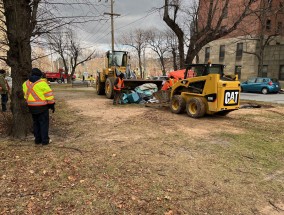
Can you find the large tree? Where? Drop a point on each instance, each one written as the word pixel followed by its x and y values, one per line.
pixel 78 55
pixel 70 50
pixel 25 21
pixel 172 22
pixel 172 43
pixel 20 20
pixel 207 20
pixel 157 41
pixel 136 39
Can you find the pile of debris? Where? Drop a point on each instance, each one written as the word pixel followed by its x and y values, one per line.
pixel 140 95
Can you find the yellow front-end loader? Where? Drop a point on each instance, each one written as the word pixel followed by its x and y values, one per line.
pixel 116 62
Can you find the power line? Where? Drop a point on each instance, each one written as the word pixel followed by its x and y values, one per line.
pixel 104 34
pixel 144 17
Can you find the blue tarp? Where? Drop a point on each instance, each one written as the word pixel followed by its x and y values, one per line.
pixel 143 92
pixel 147 89
pixel 124 99
pixel 133 97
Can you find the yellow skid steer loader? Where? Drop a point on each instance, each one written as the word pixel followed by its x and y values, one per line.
pixel 210 91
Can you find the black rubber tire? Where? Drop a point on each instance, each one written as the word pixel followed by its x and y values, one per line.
pixel 100 86
pixel 264 90
pixel 59 81
pixel 109 91
pixel 177 104
pixel 195 107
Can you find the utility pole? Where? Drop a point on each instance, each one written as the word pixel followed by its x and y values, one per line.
pixel 144 56
pixel 112 23
pixel 51 60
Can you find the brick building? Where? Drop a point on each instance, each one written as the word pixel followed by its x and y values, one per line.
pixel 261 32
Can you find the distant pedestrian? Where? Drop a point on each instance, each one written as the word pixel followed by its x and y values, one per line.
pixel 92 80
pixel 83 78
pixel 4 90
pixel 118 85
pixel 40 99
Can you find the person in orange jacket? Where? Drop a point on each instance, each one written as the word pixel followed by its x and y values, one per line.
pixel 118 85
pixel 169 83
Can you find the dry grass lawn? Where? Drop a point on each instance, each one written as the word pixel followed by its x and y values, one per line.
pixel 130 159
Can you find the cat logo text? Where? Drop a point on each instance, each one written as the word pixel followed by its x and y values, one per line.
pixel 231 97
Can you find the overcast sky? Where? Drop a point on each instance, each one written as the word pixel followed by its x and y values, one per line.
pixel 134 14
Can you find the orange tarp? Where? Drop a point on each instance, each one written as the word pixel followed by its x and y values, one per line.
pixel 179 74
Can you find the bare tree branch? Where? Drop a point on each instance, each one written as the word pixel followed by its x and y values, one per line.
pixel 136 39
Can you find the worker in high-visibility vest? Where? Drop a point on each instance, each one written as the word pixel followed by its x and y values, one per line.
pixel 40 99
pixel 169 83
pixel 92 80
pixel 118 85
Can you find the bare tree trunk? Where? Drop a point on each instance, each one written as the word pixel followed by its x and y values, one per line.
pixel 140 63
pixel 260 60
pixel 65 68
pixel 178 31
pixel 174 59
pixel 19 59
pixel 192 52
pixel 163 65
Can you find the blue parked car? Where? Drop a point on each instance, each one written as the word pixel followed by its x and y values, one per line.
pixel 261 85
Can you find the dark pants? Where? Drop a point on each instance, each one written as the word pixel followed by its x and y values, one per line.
pixel 4 100
pixel 41 125
pixel 117 97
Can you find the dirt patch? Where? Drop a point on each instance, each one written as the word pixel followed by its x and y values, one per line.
pixel 104 112
pixel 273 209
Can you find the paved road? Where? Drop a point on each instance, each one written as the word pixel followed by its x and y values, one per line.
pixel 273 98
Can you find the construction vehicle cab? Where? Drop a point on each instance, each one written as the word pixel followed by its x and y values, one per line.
pixel 116 58
pixel 210 91
pixel 115 61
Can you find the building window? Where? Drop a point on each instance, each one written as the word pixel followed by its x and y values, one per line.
pixel 239 52
pixel 207 54
pixel 281 72
pixel 263 72
pixel 238 71
pixel 268 25
pixel 222 53
pixel 279 27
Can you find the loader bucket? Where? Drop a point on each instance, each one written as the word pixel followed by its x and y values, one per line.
pixel 163 96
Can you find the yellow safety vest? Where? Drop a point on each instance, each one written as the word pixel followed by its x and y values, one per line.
pixel 38 93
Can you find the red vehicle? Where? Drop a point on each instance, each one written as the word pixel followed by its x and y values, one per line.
pixel 57 76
